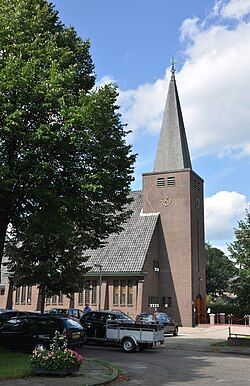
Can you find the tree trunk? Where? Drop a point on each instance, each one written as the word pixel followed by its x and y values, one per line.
pixel 3 229
pixel 9 304
pixel 43 295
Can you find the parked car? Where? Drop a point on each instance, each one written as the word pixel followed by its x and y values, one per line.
pixel 94 322
pixel 6 315
pixel 170 326
pixel 37 331
pixel 73 312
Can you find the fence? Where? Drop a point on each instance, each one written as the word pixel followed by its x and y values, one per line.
pixel 229 319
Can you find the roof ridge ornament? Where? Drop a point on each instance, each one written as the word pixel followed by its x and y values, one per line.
pixel 173 63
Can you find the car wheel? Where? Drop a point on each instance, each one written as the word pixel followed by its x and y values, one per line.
pixel 128 345
pixel 40 347
pixel 175 331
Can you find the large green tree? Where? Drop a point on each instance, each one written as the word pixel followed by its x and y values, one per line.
pixel 219 270
pixel 240 252
pixel 65 168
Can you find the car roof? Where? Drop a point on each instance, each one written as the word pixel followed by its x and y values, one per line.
pixel 152 313
pixel 43 316
pixel 104 312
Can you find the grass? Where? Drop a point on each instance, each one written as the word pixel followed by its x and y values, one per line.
pixel 221 344
pixel 14 365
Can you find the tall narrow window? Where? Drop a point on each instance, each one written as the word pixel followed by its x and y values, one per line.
pixel 130 293
pixel 94 292
pixel 169 301
pixel 80 298
pixel 115 292
pixel 23 295
pixel 54 300
pixel 60 298
pixel 18 292
pixel 123 293
pixel 29 294
pixel 48 301
pixel 87 292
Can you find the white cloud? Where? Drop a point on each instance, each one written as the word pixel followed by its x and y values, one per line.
pixel 223 210
pixel 213 85
pixel 142 108
pixel 189 28
pixel 235 9
pixel 105 80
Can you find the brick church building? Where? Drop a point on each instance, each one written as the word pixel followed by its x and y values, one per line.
pixel 157 261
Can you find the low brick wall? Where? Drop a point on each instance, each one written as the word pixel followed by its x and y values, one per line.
pixel 233 341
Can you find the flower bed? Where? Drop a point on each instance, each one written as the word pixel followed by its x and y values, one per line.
pixel 58 360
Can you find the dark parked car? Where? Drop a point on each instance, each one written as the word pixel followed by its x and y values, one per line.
pixel 170 326
pixel 94 322
pixel 73 312
pixel 6 315
pixel 35 331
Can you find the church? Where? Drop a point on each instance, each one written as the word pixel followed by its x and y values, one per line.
pixel 157 262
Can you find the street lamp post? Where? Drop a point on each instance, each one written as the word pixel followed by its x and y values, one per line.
pixel 100 284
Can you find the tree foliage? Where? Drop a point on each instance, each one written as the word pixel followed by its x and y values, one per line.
pixel 219 270
pixel 240 252
pixel 65 168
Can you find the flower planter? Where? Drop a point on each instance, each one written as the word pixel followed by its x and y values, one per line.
pixel 42 371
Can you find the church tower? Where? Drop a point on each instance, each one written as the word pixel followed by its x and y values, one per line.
pixel 175 191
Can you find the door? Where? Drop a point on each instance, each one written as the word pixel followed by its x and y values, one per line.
pixel 17 333
pixel 46 330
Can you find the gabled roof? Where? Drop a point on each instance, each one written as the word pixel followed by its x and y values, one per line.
pixel 126 251
pixel 172 152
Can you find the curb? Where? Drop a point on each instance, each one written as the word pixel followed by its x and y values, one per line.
pixel 109 366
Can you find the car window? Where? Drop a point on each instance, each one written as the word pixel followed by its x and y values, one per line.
pixel 122 317
pixel 11 326
pixel 73 313
pixel 70 323
pixel 8 315
pixel 99 317
pixel 147 318
pixel 88 317
pixel 161 318
pixel 47 326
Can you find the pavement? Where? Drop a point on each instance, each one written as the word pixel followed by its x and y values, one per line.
pixel 98 372
pixel 203 339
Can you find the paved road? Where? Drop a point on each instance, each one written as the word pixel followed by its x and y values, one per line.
pixel 166 366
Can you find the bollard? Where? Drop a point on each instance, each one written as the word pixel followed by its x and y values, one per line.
pixel 222 318
pixel 211 319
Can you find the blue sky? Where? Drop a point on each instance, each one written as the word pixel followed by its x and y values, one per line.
pixel 132 42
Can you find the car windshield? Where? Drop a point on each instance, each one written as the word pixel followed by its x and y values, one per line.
pixel 70 323
pixel 147 317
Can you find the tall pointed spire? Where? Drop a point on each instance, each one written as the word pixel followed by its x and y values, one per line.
pixel 172 152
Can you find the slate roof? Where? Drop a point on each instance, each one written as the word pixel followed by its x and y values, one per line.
pixel 126 251
pixel 172 151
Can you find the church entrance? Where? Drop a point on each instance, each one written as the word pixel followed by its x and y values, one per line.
pixel 200 310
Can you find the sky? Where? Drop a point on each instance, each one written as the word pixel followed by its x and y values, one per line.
pixel 132 43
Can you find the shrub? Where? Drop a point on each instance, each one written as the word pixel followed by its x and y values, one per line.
pixel 58 357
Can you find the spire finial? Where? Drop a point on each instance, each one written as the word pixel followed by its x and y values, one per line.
pixel 173 61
